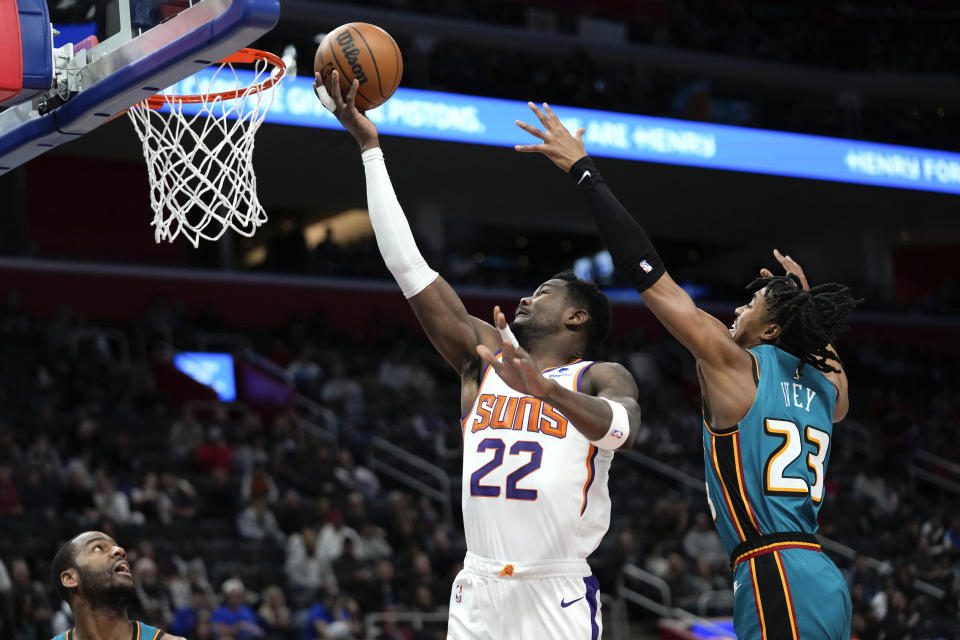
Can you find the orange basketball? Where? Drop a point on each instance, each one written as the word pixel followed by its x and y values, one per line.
pixel 365 52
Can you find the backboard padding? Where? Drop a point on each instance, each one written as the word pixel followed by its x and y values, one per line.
pixel 188 41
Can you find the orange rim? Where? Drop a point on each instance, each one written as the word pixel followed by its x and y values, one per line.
pixel 243 56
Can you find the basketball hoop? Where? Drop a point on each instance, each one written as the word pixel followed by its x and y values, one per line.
pixel 200 160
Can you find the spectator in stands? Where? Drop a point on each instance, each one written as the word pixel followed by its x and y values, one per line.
pixel 29 605
pixel 276 616
pixel 258 482
pixel 333 533
pixel 350 571
pixel 372 543
pixel 384 591
pixel 234 619
pixel 76 500
pixel 353 476
pixel 702 542
pixel 9 496
pixel 186 435
pixel 257 522
pixel 183 497
pixel 40 493
pixel 342 393
pixel 332 616
pixel 152 601
pixel 215 453
pixel 290 512
pixel 219 497
pixel 306 567
pixel 41 454
pixel 187 617
pixel 149 502
pixel 111 503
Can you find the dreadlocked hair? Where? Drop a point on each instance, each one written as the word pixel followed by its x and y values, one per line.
pixel 810 321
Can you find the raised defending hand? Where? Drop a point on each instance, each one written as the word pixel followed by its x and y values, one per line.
pixel 558 145
pixel 345 109
pixel 516 367
pixel 790 266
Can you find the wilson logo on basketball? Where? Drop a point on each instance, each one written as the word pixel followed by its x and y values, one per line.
pixel 352 54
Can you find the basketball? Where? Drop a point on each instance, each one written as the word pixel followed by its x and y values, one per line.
pixel 365 52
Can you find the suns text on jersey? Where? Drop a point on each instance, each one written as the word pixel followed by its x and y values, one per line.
pixel 503 412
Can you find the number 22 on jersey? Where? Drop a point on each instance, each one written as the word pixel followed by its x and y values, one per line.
pixel 513 491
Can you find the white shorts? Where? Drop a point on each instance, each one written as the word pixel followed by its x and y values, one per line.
pixel 554 600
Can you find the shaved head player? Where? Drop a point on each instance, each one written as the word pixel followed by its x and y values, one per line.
pixel 772 387
pixel 540 425
pixel 92 575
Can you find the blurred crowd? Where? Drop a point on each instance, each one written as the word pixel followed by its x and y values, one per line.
pixel 244 524
pixel 904 35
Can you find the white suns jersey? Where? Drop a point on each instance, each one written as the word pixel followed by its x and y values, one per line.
pixel 534 488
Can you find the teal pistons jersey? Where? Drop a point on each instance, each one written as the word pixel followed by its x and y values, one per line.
pixel 766 474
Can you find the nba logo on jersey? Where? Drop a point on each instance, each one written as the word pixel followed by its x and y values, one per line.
pixel 458 593
pixel 645 266
pixel 617 433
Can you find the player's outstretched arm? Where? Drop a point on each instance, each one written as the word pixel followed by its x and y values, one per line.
pixel 630 247
pixel 605 411
pixel 839 380
pixel 453 332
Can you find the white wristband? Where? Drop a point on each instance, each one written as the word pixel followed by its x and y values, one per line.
pixel 619 430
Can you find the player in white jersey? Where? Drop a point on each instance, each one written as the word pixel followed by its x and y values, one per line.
pixel 539 429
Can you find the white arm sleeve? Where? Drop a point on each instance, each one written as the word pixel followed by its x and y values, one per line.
pixel 390 226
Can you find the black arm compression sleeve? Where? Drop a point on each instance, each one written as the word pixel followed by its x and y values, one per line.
pixel 629 245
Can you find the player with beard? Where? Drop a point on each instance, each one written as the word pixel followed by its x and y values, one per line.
pixel 92 575
pixel 540 425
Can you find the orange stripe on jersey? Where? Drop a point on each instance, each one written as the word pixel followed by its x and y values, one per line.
pixel 138 629
pixel 591 453
pixel 723 485
pixel 743 487
pixel 786 591
pixel 777 546
pixel 756 595
pixel 157 634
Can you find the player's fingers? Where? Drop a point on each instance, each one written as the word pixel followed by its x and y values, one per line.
pixel 532 130
pixel 550 114
pixel 352 92
pixel 334 88
pixel 487 356
pixel 324 97
pixel 526 148
pixel 579 134
pixel 766 273
pixel 542 118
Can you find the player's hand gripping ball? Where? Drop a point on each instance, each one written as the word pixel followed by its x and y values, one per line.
pixel 365 52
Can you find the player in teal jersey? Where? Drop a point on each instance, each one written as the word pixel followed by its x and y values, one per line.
pixel 772 387
pixel 91 573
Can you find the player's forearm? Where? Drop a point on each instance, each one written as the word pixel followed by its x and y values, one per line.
pixel 629 245
pixel 590 415
pixel 390 226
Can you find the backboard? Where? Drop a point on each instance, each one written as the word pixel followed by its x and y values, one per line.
pixel 149 45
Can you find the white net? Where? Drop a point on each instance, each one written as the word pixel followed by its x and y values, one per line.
pixel 200 155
